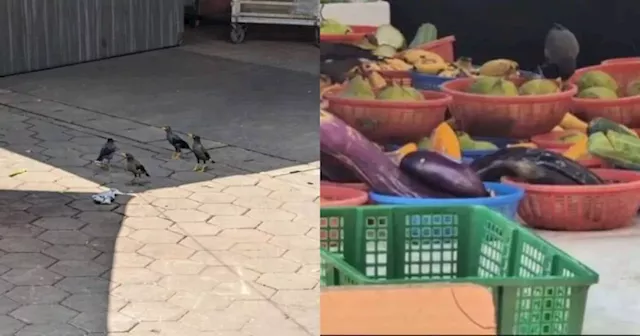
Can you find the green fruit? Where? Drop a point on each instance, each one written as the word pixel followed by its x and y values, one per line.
pixel 331 26
pixel 538 87
pixel 425 143
pixel 493 86
pixel 397 92
pixel 466 143
pixel 597 78
pixel 633 88
pixel 426 33
pixel 598 92
pixel 484 145
pixel 360 88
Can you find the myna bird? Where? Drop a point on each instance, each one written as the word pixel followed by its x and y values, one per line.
pixel 176 142
pixel 561 49
pixel 134 166
pixel 201 154
pixel 106 153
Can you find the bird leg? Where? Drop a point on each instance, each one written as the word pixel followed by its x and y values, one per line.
pixel 174 156
pixel 197 167
pixel 203 168
pixel 178 155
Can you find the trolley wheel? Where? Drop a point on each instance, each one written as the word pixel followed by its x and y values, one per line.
pixel 238 33
pixel 194 22
pixel 317 37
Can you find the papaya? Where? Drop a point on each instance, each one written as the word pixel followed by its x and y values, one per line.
pixel 445 141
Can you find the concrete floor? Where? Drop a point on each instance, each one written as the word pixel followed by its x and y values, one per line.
pixel 260 96
pixel 612 306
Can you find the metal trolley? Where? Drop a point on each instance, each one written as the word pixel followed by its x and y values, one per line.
pixel 281 12
pixel 192 12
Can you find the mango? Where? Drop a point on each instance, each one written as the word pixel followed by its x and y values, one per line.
pixel 493 86
pixel 597 92
pixel 397 92
pixel 358 87
pixel 539 87
pixel 597 78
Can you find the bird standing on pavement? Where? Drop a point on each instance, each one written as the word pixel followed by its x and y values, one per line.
pixel 106 153
pixel 201 154
pixel 561 49
pixel 176 142
pixel 134 166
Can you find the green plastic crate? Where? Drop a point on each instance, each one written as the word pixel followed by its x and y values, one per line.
pixel 538 289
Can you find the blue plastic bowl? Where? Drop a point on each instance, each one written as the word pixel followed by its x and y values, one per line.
pixel 506 200
pixel 499 142
pixel 427 82
pixel 471 155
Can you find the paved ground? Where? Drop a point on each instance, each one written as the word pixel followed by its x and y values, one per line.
pixel 258 95
pixel 230 252
pixel 612 307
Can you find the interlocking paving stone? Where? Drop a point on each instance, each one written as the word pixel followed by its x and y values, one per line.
pixel 193 254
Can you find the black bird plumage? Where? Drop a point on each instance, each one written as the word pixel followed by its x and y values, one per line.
pixel 341 51
pixel 107 151
pixel 134 166
pixel 201 153
pixel 175 141
pixel 561 49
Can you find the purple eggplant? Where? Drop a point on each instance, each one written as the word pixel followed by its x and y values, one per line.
pixel 348 146
pixel 442 173
pixel 334 171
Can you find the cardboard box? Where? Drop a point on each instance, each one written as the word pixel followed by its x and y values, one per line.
pixel 426 309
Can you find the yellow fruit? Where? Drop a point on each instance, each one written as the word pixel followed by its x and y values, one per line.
pixel 597 78
pixel 397 92
pixel 571 122
pixel 579 149
pixel 398 64
pixel 429 68
pixel 358 87
pixel 414 56
pixel 499 68
pixel 597 92
pixel 445 141
pixel 450 72
pixel 493 86
pixel 376 80
pixel 384 66
pixel 539 87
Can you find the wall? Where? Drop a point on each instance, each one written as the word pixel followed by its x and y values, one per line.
pixel 40 34
pixel 516 29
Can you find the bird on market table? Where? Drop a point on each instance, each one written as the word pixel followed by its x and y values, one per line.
pixel 176 142
pixel 201 154
pixel 106 153
pixel 561 49
pixel 135 167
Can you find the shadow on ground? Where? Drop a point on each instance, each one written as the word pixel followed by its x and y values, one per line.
pixel 58 275
pixel 235 98
pixel 56 263
pixel 57 271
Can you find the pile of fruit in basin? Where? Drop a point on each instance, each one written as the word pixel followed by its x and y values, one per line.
pixel 600 85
